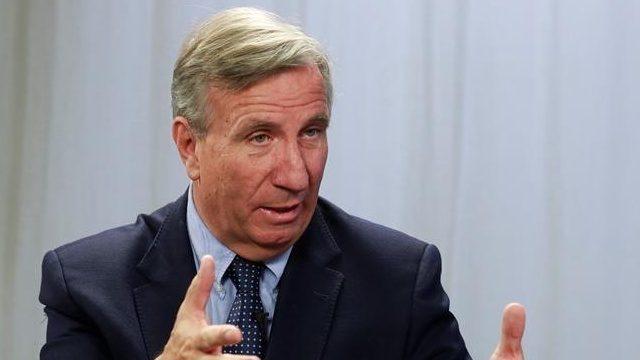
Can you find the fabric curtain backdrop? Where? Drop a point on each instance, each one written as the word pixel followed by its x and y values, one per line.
pixel 505 132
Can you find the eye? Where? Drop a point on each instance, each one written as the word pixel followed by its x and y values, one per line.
pixel 312 132
pixel 259 139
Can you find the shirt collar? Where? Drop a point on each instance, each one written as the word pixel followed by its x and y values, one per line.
pixel 204 243
pixel 276 264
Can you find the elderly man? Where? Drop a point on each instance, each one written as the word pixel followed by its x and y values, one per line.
pixel 295 277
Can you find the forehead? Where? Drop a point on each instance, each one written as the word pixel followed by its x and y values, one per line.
pixel 299 89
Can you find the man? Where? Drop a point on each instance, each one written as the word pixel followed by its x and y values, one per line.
pixel 295 277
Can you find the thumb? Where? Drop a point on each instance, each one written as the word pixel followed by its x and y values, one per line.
pixel 513 322
pixel 200 288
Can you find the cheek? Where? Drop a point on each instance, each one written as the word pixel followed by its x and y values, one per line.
pixel 316 162
pixel 218 176
pixel 246 177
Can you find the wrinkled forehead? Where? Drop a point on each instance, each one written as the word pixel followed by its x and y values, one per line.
pixel 295 89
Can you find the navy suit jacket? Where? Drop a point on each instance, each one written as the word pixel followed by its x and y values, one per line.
pixel 350 290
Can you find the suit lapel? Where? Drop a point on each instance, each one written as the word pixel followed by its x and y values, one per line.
pixel 169 267
pixel 307 296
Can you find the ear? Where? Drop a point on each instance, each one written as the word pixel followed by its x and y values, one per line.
pixel 185 141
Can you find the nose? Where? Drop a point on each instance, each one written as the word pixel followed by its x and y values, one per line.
pixel 290 172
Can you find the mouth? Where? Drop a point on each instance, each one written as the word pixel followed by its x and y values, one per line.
pixel 278 215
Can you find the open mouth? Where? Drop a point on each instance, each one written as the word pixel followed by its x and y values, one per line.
pixel 281 214
pixel 283 209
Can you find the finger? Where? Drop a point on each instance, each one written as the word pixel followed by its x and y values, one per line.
pixel 200 288
pixel 218 335
pixel 513 323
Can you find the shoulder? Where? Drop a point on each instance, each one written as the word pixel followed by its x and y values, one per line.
pixel 112 250
pixel 357 235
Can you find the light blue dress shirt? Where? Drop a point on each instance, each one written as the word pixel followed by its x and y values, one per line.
pixel 223 293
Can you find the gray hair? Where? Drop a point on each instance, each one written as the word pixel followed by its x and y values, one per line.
pixel 235 49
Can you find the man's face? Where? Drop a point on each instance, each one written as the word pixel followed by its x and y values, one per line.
pixel 261 162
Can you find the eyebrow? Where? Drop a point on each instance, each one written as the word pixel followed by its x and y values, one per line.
pixel 319 119
pixel 254 124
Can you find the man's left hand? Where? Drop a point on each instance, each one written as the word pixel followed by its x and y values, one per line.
pixel 510 345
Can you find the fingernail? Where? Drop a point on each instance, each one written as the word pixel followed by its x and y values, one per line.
pixel 230 335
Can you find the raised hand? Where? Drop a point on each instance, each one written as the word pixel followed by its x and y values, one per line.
pixel 510 345
pixel 192 337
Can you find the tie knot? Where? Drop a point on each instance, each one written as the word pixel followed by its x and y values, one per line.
pixel 245 274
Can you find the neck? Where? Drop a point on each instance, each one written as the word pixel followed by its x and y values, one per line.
pixel 245 248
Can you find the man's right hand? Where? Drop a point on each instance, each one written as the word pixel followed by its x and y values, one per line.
pixel 192 337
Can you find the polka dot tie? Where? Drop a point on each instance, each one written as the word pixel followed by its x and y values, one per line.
pixel 247 311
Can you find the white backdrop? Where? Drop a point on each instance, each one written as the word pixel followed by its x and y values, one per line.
pixel 506 132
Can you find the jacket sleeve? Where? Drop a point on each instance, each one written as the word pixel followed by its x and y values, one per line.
pixel 70 333
pixel 433 332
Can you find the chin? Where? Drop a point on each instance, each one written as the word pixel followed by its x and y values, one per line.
pixel 276 239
